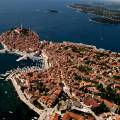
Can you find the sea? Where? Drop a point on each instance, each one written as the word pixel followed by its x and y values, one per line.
pixel 56 22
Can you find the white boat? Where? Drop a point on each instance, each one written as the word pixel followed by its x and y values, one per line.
pixel 3 118
pixel 2 75
pixel 10 112
pixel 35 118
pixel 6 74
pixel 6 92
pixel 1 78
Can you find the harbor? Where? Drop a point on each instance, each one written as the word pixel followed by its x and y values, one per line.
pixel 77 79
pixel 11 94
pixel 11 107
pixel 52 85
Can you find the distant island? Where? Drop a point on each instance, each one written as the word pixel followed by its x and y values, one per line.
pixel 78 81
pixel 53 11
pixel 104 14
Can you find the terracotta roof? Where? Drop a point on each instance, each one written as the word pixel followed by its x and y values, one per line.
pixel 71 115
pixel 108 103
pixel 89 101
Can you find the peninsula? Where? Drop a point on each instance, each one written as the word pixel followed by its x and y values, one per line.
pixel 104 15
pixel 77 81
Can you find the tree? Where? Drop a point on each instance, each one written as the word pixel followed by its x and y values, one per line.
pixel 101 108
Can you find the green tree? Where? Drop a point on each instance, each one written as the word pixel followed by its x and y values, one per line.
pixel 100 109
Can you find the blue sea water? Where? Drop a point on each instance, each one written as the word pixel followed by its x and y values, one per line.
pixel 66 25
pixel 11 108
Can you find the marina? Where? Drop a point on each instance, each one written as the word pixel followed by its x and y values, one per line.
pixel 7 93
pixel 57 66
pixel 33 85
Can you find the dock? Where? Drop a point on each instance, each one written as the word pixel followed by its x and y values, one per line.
pixel 21 58
pixel 30 56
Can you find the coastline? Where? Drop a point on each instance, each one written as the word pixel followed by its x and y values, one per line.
pixel 43 114
pixel 57 59
pixel 5 49
pixel 24 55
pixel 22 96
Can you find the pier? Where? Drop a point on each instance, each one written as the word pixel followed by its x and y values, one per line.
pixel 30 56
pixel 21 58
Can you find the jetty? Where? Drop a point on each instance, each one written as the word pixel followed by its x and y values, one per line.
pixel 30 56
pixel 21 58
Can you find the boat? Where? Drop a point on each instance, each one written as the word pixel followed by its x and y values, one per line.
pixel 10 112
pixel 1 78
pixel 35 118
pixel 6 92
pixel 3 75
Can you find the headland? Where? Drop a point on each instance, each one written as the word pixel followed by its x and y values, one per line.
pixel 104 15
pixel 78 81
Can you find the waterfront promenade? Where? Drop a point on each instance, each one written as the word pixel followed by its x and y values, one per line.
pixel 43 114
pixel 22 96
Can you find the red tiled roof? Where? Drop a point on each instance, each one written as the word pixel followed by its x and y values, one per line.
pixel 108 103
pixel 89 101
pixel 72 115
